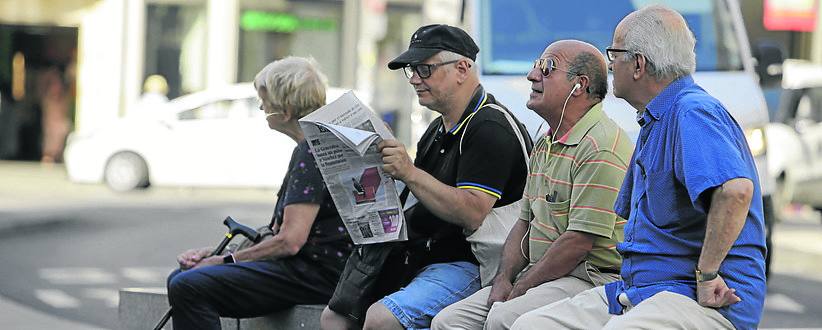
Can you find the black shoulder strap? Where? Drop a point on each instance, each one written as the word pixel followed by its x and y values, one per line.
pixel 524 139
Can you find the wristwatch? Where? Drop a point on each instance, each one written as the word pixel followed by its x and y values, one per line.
pixel 229 259
pixel 704 276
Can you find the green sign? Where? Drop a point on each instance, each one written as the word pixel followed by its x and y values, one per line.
pixel 254 20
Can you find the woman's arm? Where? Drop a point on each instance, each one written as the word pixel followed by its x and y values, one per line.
pixel 297 221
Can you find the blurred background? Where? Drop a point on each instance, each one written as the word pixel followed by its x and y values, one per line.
pixel 128 129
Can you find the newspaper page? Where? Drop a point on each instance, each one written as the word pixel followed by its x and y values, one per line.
pixel 343 136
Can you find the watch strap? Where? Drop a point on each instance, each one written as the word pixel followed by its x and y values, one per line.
pixel 704 276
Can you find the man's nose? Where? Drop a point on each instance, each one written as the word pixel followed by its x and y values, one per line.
pixel 415 79
pixel 534 75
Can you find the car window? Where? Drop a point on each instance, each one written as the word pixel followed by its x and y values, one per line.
pixel 245 107
pixel 214 110
pixel 807 112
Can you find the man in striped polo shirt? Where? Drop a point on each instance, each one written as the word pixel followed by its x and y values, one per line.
pixel 567 216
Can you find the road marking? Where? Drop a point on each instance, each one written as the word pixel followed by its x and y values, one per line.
pixel 110 296
pixel 56 298
pixel 77 276
pixel 152 275
pixel 782 303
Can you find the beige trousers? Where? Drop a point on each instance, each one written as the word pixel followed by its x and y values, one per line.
pixel 589 310
pixel 473 312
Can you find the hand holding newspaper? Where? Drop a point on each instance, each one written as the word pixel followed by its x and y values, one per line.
pixel 343 136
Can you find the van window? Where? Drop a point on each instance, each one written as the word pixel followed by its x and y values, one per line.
pixel 514 33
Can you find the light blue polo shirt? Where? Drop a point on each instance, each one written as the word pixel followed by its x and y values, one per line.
pixel 688 144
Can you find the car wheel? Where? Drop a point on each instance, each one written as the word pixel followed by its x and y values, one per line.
pixel 126 171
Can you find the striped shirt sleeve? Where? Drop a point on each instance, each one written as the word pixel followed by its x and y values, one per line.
pixel 597 180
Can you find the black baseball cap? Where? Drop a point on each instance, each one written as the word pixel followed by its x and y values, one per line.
pixel 430 40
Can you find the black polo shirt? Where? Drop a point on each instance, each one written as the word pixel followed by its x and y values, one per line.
pixel 491 161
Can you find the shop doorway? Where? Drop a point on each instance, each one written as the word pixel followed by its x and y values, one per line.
pixel 37 91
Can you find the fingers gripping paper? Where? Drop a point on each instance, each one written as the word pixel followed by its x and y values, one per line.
pixel 343 136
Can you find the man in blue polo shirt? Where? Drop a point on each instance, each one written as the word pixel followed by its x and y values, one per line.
pixel 694 249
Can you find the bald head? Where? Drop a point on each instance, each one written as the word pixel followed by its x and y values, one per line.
pixel 583 59
pixel 663 37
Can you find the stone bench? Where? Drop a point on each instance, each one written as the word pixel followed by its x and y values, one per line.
pixel 141 308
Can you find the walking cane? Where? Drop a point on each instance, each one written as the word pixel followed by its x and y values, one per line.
pixel 234 228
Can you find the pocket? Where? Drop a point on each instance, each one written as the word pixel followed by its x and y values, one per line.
pixel 668 204
pixel 554 213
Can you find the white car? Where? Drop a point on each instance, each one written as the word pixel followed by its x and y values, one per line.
pixel 215 138
pixel 795 137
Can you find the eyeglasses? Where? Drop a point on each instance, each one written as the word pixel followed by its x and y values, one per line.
pixel 611 53
pixel 546 66
pixel 423 70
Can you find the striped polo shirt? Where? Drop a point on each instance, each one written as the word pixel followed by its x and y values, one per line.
pixel 572 185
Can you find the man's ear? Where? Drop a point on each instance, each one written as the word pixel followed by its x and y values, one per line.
pixel 463 70
pixel 641 69
pixel 584 85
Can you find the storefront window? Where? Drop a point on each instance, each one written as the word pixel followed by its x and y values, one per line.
pixel 295 28
pixel 175 44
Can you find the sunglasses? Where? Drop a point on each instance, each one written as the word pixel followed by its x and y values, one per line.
pixel 547 65
pixel 423 70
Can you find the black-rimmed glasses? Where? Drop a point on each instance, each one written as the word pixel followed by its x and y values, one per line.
pixel 547 65
pixel 611 53
pixel 423 70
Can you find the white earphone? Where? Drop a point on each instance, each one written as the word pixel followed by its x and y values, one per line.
pixel 547 154
pixel 577 86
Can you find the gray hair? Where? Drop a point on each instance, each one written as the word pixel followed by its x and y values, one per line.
pixel 447 56
pixel 663 37
pixel 591 65
pixel 294 83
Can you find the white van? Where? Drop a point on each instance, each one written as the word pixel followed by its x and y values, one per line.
pixel 512 33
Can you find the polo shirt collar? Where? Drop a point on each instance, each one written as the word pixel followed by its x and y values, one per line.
pixel 477 101
pixel 665 99
pixel 581 128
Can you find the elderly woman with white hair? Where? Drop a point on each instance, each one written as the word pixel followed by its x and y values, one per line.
pixel 301 262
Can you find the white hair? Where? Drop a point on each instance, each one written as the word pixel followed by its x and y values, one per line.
pixel 447 56
pixel 663 37
pixel 294 83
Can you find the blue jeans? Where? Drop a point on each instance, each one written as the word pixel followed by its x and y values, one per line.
pixel 434 288
pixel 199 297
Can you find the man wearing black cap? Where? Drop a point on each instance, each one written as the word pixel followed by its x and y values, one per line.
pixel 471 161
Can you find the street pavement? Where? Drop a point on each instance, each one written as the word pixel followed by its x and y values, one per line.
pixel 41 213
pixel 37 196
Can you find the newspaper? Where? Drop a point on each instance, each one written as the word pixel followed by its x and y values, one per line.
pixel 343 135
